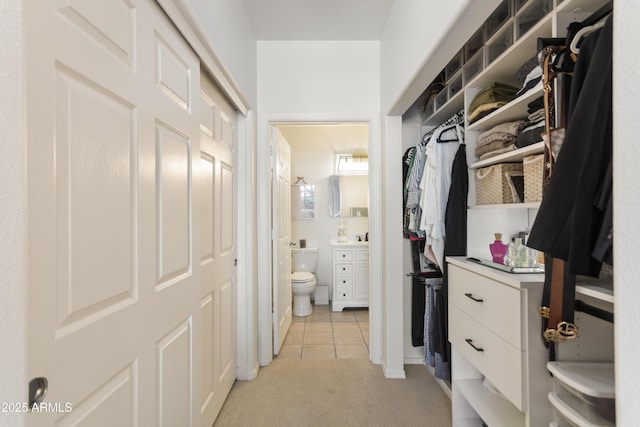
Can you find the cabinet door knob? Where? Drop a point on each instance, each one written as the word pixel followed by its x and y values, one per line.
pixel 470 295
pixel 470 342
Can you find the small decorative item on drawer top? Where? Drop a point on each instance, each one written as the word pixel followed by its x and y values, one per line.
pixel 500 183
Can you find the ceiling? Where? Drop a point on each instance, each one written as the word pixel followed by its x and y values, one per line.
pixel 348 138
pixel 318 19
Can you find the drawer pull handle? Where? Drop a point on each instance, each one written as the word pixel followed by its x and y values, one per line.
pixel 469 295
pixel 470 342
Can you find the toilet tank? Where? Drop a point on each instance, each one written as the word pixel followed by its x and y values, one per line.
pixel 304 259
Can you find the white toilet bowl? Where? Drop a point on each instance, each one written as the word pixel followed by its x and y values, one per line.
pixel 302 286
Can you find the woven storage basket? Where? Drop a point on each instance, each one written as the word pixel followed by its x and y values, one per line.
pixel 494 184
pixel 533 169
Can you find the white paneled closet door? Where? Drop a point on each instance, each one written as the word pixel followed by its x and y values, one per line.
pixel 217 213
pixel 115 230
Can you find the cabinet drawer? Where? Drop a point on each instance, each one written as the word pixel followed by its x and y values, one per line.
pixel 495 305
pixel 343 269
pixel 361 255
pixel 343 282
pixel 498 361
pixel 343 255
pixel 343 293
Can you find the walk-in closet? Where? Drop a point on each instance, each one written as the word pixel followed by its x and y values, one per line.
pixel 507 184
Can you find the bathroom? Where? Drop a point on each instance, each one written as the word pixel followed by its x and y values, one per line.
pixel 314 156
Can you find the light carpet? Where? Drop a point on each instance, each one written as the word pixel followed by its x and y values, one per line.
pixel 346 393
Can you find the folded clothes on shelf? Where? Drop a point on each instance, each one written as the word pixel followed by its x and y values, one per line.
pixel 490 99
pixel 503 131
pixel 531 134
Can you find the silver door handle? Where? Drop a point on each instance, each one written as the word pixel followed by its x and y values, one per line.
pixel 37 390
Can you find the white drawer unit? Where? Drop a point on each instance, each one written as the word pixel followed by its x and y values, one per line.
pixel 350 279
pixel 497 355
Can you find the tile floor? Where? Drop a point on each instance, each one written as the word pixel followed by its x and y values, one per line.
pixel 325 334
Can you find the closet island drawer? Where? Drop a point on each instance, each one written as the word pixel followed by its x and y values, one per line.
pixel 493 304
pixel 498 361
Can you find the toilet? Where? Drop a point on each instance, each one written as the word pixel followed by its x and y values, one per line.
pixel 303 282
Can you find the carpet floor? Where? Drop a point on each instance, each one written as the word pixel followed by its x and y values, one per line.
pixel 345 393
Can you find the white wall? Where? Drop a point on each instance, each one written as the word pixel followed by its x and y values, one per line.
pixel 320 81
pixel 332 78
pixel 13 387
pixel 626 156
pixel 227 24
pixel 419 39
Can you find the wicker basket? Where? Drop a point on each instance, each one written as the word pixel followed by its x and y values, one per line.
pixel 496 185
pixel 533 170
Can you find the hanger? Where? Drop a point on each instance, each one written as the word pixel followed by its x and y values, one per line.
pixel 456 120
pixel 583 32
pixel 595 21
pixel 458 136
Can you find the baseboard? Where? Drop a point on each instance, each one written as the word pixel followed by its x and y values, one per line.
pixel 394 374
pixel 414 360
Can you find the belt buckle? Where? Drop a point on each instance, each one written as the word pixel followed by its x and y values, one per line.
pixel 544 311
pixel 563 332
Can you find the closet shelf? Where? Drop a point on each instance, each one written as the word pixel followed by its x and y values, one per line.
pixel 600 293
pixel 448 109
pixel 515 110
pixel 494 410
pixel 569 6
pixel 512 156
pixel 504 68
pixel 534 205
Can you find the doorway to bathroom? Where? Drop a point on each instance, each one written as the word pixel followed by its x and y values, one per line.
pixel 315 150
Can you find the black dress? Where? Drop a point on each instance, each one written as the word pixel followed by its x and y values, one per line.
pixel 570 219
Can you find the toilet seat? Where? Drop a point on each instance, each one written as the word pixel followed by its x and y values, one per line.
pixel 302 277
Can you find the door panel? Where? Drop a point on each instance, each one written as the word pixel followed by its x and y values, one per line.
pixel 282 299
pixel 113 144
pixel 217 211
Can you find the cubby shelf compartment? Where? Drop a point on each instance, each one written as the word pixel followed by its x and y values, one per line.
pixel 514 110
pixel 504 68
pixel 452 106
pixel 512 156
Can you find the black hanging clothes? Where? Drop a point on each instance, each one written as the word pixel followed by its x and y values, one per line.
pixel 569 220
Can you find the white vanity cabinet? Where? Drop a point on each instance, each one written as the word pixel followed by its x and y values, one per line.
pixel 350 275
pixel 494 330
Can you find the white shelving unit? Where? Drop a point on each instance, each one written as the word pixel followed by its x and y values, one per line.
pixel 472 403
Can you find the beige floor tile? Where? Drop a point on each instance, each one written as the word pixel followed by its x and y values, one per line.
pixel 318 351
pixel 296 327
pixel 348 337
pixel 318 338
pixel 318 327
pixel 343 316
pixel 345 327
pixel 321 309
pixel 293 338
pixel 319 317
pixel 290 352
pixel 351 351
pixel 296 319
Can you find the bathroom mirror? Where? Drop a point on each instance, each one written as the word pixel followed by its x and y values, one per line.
pixel 348 196
pixel 303 201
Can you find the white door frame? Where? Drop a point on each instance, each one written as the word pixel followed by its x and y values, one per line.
pixel 263 172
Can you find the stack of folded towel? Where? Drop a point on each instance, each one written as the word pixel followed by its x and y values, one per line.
pixel 535 125
pixel 489 100
pixel 499 139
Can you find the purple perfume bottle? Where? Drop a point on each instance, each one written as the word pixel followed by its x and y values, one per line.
pixel 498 249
